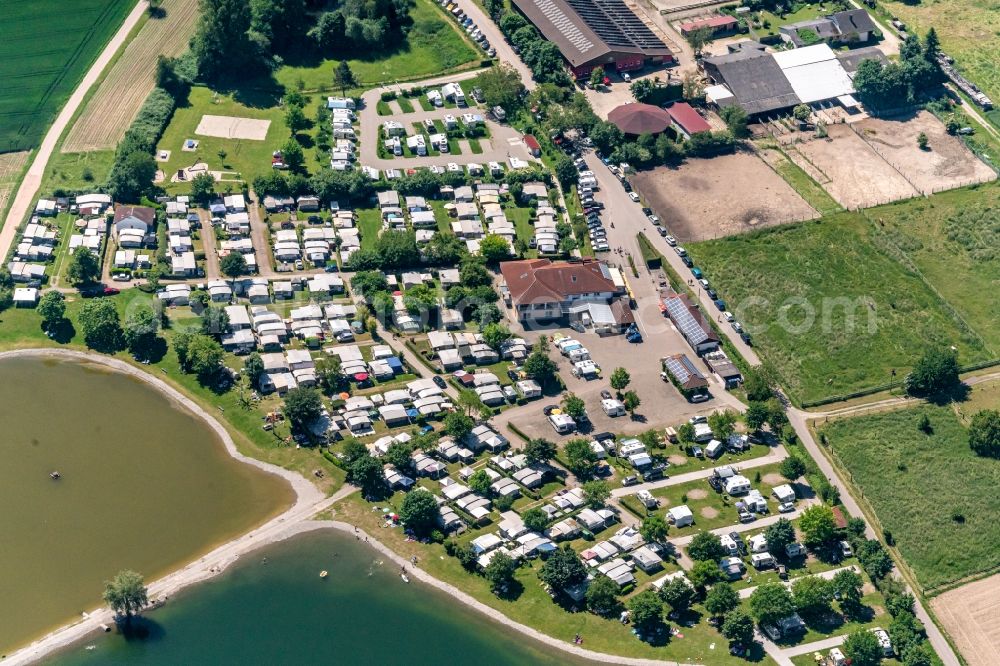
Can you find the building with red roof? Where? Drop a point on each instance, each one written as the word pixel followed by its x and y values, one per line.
pixel 636 118
pixel 718 24
pixel 686 120
pixel 546 290
pixel 533 146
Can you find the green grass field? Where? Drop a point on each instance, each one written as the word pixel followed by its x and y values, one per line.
pixel 919 485
pixel 969 31
pixel 433 46
pixel 43 56
pixel 831 311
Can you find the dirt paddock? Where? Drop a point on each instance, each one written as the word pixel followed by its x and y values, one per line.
pixel 721 196
pixel 969 615
pixel 849 170
pixel 945 165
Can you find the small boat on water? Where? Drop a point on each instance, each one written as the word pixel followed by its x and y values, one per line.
pixel 404 577
pixel 323 573
pixel 55 475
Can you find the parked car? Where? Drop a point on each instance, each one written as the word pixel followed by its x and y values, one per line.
pixel 441 384
pixel 633 196
pixel 630 480
pixel 687 261
pixel 671 241
pixel 681 252
pixel 626 78
pixel 721 304
pixel 786 507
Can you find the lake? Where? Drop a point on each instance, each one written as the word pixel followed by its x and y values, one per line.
pixel 145 485
pixel 279 611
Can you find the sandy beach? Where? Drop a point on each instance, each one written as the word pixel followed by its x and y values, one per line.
pixel 296 520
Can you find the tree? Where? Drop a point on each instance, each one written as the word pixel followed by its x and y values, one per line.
pixel 566 171
pixel 101 326
pixel 563 569
pixel 698 38
pixel 738 627
pixel 771 602
pixel 692 89
pixel 847 586
pixel 398 455
pixel 366 473
pixel 539 451
pixel 580 458
pixel 131 176
pixel 52 308
pixel 736 120
pixel 922 141
pixel 596 77
pixel 419 511
pixel 646 610
pixel 706 546
pixel 812 595
pixel 723 424
pixel 501 86
pixel 292 155
pixel 596 493
pixel 480 482
pixel 126 594
pixel 602 596
pixel 253 368
pixel 233 265
pixel 802 112
pixel 654 529
pixel 494 249
pixel 920 654
pixel 642 89
pixel 932 45
pixel 935 373
pixel 458 425
pixel 222 44
pixel 295 119
pixel 984 433
pixel 620 379
pixel 495 335
pixel 140 330
pixel 779 535
pixel 84 267
pixel 343 77
pixel 817 525
pixel 875 561
pixel 203 356
pixel 631 401
pixel 470 401
pixel 535 519
pixel 678 594
pixel 705 573
pixel 792 468
pixel 862 648
pixel 203 188
pixel 368 283
pixel 540 367
pixel 685 433
pixel 302 406
pixel 500 571
pixel 756 416
pixel 574 406
pixel 721 599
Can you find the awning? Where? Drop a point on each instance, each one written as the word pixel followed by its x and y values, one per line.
pixel 848 101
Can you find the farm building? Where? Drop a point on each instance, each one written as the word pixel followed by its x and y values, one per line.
pixel 691 323
pixel 850 26
pixel 686 121
pixel 719 25
pixel 636 118
pixel 596 33
pixel 683 373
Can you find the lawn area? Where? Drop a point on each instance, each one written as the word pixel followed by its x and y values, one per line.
pixel 969 31
pixel 77 171
pixel 433 46
pixel 929 490
pixel 245 157
pixel 952 240
pixel 21 328
pixel 829 310
pixel 44 55
pixel 534 607
pixel 521 219
pixel 802 183
pixel 370 225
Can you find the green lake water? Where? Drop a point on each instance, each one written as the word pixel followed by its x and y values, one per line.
pixel 145 485
pixel 279 611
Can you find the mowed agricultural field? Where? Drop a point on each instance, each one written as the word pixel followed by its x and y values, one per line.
pixel 123 90
pixel 969 31
pixel 930 491
pixel 434 46
pixel 47 47
pixel 11 167
pixel 830 310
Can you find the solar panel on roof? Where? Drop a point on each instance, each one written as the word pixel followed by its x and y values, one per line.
pixel 565 25
pixel 678 369
pixel 689 327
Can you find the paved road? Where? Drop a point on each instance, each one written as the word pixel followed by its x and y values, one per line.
pixel 492 32
pixel 826 575
pixel 801 506
pixel 818 646
pixel 25 196
pixel 775 455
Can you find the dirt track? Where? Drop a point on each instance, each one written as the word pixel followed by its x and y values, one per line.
pixel 969 615
pixel 721 196
pixel 119 96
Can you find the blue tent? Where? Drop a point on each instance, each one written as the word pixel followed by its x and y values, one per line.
pixel 412 413
pixel 395 364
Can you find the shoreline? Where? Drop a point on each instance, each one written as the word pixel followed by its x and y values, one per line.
pixel 308 501
pixel 294 521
